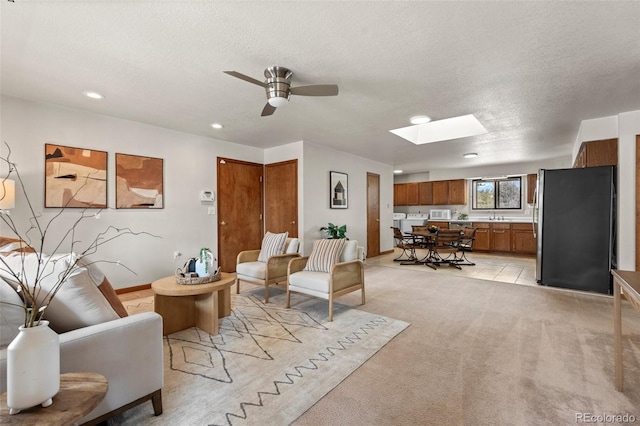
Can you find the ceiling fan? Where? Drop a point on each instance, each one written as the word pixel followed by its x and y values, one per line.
pixel 278 87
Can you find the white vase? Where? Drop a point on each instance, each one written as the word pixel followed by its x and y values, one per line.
pixel 33 368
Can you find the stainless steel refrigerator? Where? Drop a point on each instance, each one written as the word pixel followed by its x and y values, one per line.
pixel 576 228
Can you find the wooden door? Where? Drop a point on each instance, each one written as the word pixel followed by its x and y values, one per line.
pixel 373 215
pixel 281 197
pixel 239 210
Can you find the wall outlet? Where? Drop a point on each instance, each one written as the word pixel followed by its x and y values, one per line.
pixel 211 210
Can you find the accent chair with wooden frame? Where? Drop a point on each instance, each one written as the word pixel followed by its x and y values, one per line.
pixel 273 271
pixel 344 276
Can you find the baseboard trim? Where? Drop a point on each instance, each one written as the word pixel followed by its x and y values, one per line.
pixel 132 289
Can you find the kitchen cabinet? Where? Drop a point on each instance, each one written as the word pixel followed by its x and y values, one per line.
pixel 597 153
pixel 440 192
pixel 425 193
pixel 405 194
pixel 501 237
pixel 457 192
pixel 483 236
pixel 523 240
pixel 532 183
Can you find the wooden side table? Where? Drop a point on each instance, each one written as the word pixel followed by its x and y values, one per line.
pixel 627 282
pixel 187 305
pixel 79 394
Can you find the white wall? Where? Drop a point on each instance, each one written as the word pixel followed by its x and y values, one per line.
pixel 625 126
pixel 318 162
pixel 189 166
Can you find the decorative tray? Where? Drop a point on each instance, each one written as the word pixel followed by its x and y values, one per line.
pixel 181 279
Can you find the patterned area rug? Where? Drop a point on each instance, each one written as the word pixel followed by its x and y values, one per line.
pixel 268 365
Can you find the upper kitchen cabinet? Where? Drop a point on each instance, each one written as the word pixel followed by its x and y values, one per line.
pixel 440 192
pixel 405 194
pixel 457 192
pixel 597 153
pixel 532 184
pixel 425 193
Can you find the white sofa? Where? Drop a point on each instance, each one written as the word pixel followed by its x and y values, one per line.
pixel 127 350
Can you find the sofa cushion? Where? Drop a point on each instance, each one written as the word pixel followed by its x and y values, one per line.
pixel 272 244
pixel 252 269
pixel 78 303
pixel 11 314
pixel 324 254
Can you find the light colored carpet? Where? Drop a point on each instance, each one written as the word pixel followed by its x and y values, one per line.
pixel 268 364
pixel 485 353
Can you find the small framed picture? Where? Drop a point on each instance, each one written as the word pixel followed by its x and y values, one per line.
pixel 139 182
pixel 338 190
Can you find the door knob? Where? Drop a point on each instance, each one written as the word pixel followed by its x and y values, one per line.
pixel 223 223
pixel 377 220
pixel 293 222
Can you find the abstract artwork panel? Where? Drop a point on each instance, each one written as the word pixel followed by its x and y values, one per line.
pixel 139 182
pixel 75 177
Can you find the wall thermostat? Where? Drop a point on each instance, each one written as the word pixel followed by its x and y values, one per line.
pixel 207 195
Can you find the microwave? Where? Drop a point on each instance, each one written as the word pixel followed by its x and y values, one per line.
pixel 440 214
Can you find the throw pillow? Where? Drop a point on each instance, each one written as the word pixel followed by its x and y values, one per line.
pixel 324 255
pixel 272 244
pixel 78 303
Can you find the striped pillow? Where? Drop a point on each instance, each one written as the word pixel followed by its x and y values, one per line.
pixel 325 254
pixel 272 244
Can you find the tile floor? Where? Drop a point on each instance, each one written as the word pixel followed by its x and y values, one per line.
pixel 493 267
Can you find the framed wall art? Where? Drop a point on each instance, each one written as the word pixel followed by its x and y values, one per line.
pixel 139 182
pixel 338 190
pixel 74 177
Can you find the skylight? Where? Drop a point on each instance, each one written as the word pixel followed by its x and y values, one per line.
pixel 441 130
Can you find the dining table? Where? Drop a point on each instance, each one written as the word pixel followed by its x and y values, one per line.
pixel 426 239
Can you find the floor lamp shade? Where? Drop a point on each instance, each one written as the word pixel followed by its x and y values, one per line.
pixel 7 194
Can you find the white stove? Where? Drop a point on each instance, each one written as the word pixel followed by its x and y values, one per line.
pixel 397 220
pixel 414 219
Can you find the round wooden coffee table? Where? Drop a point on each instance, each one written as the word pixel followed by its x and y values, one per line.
pixel 79 394
pixel 187 305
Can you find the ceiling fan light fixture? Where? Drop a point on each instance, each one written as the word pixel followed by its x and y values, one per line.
pixel 278 101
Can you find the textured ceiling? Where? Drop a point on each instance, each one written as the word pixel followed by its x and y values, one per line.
pixel 529 71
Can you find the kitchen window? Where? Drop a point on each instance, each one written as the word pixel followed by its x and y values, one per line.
pixel 494 194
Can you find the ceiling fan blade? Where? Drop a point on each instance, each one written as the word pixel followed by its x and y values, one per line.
pixel 246 78
pixel 268 110
pixel 316 90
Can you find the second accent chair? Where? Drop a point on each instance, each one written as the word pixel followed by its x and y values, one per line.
pixel 269 264
pixel 331 270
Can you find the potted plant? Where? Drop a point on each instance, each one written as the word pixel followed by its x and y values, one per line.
pixel 335 232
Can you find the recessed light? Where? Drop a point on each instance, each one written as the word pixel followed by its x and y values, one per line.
pixel 397 171
pixel 93 95
pixel 470 155
pixel 420 119
pixel 216 125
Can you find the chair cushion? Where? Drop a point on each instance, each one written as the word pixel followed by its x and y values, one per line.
pixel 252 269
pixel 292 245
pixel 272 244
pixel 350 251
pixel 325 254
pixel 78 303
pixel 312 283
